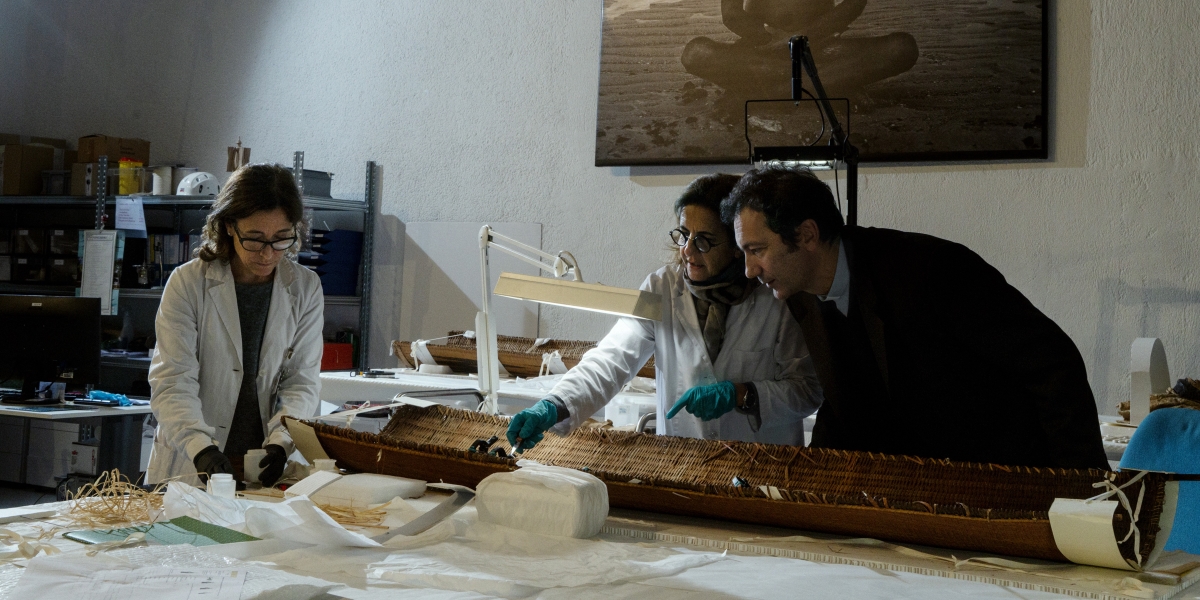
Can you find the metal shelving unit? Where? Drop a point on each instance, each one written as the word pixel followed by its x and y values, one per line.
pixel 101 203
pixel 367 206
pixel 37 289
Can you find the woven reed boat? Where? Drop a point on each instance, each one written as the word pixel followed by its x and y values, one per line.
pixel 1168 399
pixel 519 355
pixel 981 507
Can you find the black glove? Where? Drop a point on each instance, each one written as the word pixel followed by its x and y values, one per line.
pixel 211 461
pixel 272 465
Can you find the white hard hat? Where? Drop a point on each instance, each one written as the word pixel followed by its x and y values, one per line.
pixel 198 184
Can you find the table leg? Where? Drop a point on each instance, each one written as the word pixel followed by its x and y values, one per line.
pixel 24 449
pixel 121 445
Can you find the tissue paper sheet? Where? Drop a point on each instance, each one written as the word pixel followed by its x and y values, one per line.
pixel 295 519
pixel 544 499
pixel 500 561
pixel 457 556
pixel 261 583
pixel 79 577
pixel 774 578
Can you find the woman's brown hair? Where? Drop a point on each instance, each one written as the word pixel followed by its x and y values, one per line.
pixel 250 189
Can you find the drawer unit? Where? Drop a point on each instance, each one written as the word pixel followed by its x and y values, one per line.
pixel 49 451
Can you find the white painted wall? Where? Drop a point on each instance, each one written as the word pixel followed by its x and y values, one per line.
pixel 485 111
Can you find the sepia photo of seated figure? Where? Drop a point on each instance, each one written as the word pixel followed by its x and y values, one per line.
pixel 757 65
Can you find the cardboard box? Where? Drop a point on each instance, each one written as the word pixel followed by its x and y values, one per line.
pixel 83 459
pixel 92 147
pixel 63 242
pixel 83 175
pixel 56 183
pixel 21 167
pixel 12 138
pixel 62 269
pixel 28 269
pixel 63 157
pixel 29 241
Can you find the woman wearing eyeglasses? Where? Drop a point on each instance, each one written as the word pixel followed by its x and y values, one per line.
pixel 730 360
pixel 239 336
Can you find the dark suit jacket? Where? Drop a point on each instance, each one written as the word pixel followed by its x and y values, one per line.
pixel 967 368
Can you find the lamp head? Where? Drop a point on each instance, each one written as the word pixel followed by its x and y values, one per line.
pixel 593 297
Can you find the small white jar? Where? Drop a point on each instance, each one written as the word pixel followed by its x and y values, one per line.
pixel 222 485
pixel 250 468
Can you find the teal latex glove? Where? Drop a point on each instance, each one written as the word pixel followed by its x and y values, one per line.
pixel 529 425
pixel 707 401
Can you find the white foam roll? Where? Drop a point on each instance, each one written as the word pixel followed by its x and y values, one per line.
pixel 368 489
pixel 177 175
pixel 544 499
pixel 161 182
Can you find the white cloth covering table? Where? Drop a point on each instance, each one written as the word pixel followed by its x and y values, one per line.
pixel 636 555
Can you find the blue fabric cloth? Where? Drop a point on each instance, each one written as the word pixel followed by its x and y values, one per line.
pixel 1169 440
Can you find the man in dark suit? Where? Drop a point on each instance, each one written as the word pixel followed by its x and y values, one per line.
pixel 921 346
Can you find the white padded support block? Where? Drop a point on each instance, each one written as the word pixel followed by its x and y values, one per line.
pixel 1083 532
pixel 544 499
pixel 368 489
pixel 1147 375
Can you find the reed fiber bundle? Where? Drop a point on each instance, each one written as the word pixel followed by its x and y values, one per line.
pixel 112 500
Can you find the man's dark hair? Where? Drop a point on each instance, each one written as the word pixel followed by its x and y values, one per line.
pixel 787 197
pixel 708 191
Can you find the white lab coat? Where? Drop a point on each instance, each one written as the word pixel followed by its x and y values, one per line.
pixel 196 373
pixel 763 344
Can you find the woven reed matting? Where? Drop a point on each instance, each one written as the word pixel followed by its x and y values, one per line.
pixel 1157 401
pixel 517 354
pixel 982 507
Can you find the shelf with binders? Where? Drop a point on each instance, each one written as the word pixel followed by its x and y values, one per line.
pixel 139 291
pixel 197 202
pixel 156 293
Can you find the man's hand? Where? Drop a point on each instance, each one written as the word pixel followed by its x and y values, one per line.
pixel 529 425
pixel 707 401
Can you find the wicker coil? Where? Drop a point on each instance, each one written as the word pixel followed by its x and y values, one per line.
pixel 986 507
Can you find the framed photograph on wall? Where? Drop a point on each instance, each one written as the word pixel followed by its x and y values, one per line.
pixel 926 80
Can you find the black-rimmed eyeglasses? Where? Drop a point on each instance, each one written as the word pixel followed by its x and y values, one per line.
pixel 256 245
pixel 702 242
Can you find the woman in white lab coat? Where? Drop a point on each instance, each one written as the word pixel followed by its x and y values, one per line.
pixel 239 336
pixel 730 361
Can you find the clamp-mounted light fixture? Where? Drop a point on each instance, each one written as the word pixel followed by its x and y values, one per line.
pixel 838 150
pixel 573 293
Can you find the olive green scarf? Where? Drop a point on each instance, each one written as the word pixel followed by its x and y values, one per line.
pixel 714 296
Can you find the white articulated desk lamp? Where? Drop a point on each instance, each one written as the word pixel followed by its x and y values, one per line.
pixel 572 293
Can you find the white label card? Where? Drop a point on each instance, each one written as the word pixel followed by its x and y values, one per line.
pixel 130 214
pixel 99 254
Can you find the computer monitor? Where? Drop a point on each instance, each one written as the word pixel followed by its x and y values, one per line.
pixel 49 338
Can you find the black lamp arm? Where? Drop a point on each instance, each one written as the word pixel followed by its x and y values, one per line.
pixel 802 62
